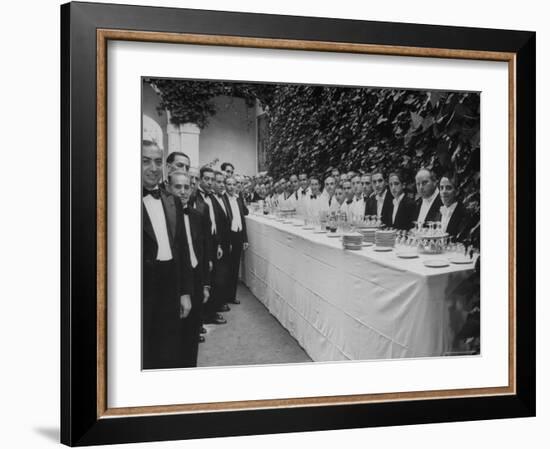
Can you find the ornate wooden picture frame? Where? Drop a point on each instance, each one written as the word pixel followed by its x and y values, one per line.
pixel 86 30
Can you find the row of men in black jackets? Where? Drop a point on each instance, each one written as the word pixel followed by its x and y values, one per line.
pixel 377 194
pixel 193 238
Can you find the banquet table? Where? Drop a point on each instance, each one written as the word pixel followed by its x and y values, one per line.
pixel 351 305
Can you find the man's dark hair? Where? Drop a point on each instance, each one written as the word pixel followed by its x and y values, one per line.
pixel 206 169
pixel 377 171
pixel 172 156
pixel 225 164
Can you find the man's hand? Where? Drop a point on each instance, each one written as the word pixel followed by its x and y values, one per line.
pixel 245 246
pixel 219 254
pixel 205 294
pixel 185 306
pixel 210 265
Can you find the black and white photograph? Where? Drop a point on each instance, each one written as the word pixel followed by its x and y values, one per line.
pixel 299 223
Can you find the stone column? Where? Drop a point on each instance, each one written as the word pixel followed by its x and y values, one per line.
pixel 189 138
pixel 184 138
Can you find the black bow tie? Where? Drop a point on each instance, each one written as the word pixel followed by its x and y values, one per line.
pixel 349 201
pixel 186 210
pixel 303 192
pixel 313 197
pixel 154 193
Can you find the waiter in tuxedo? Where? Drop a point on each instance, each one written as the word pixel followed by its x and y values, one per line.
pixel 404 208
pixel 202 200
pixel 238 237
pixel 221 275
pixel 167 282
pixel 454 216
pixel 429 203
pixel 381 203
pixel 197 236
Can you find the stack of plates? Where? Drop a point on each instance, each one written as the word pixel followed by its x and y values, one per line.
pixel 385 238
pixel 368 234
pixel 352 241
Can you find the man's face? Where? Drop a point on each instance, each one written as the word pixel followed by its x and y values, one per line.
pixel 219 184
pixel 230 185
pixel 228 170
pixel 294 182
pixel 289 187
pixel 207 181
pixel 262 190
pixel 396 186
pixel 238 184
pixel 303 181
pixel 447 191
pixel 348 192
pixel 330 185
pixel 339 194
pixel 367 185
pixel 378 183
pixel 424 184
pixel 151 166
pixel 335 174
pixel 343 178
pixel 314 184
pixel 180 186
pixel 180 163
pixel 357 186
pixel 194 178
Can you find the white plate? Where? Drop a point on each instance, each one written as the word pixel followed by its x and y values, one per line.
pixel 382 249
pixel 407 255
pixel 460 260
pixel 436 263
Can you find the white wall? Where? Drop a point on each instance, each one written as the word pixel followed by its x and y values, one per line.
pixel 230 136
pixel 29 321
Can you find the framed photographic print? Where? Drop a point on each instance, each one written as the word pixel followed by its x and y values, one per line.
pixel 276 224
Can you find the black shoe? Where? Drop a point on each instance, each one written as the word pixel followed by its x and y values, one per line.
pixel 234 301
pixel 201 339
pixel 225 308
pixel 203 330
pixel 216 319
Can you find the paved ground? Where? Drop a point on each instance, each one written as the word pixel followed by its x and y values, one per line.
pixel 251 336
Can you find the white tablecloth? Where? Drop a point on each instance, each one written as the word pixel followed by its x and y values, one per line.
pixel 350 305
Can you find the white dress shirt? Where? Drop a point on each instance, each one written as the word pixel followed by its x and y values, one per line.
pixel 425 207
pixel 236 223
pixel 380 202
pixel 357 207
pixel 446 214
pixel 396 202
pixel 315 205
pixel 158 220
pixel 192 255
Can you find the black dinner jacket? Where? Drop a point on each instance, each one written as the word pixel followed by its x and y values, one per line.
pixel 201 238
pixel 433 214
pixel 405 215
pixel 223 223
pixel 387 207
pixel 458 224
pixel 173 214
pixel 244 201
pixel 197 202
